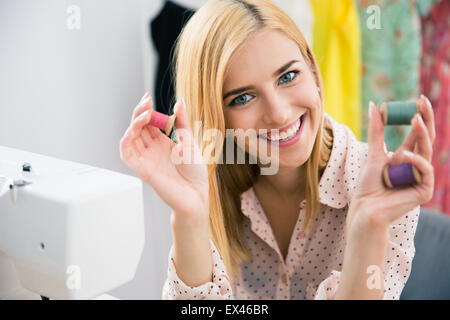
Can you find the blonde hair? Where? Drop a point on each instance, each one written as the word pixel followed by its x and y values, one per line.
pixel 203 50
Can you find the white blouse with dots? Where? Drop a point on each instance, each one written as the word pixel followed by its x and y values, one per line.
pixel 314 260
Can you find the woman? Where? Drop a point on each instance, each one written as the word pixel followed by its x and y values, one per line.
pixel 323 226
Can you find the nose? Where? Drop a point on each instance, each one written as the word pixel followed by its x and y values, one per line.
pixel 276 111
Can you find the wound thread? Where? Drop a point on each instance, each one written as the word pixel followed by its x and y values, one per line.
pixel 400 175
pixel 162 121
pixel 398 112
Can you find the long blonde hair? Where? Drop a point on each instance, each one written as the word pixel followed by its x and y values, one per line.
pixel 203 50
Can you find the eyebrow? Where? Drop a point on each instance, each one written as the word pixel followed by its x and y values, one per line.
pixel 277 72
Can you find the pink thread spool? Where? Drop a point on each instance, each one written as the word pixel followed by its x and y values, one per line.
pixel 401 174
pixel 162 121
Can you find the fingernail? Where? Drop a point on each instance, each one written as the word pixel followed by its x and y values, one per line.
pixel 420 119
pixel 143 115
pixel 145 100
pixel 427 101
pixel 407 153
pixel 370 109
pixel 184 103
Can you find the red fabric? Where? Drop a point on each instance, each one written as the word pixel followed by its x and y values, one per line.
pixel 434 83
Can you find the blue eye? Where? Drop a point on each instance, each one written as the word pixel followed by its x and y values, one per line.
pixel 241 100
pixel 288 77
pixel 245 98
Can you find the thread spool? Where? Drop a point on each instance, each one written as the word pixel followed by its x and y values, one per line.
pixel 398 112
pixel 165 123
pixel 400 175
pixel 162 121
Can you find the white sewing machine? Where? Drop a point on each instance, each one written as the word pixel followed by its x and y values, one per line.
pixel 67 230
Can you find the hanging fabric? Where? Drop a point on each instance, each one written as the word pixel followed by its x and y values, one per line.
pixel 337 48
pixel 390 58
pixel 435 84
pixel 164 30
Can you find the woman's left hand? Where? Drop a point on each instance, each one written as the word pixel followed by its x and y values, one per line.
pixel 373 204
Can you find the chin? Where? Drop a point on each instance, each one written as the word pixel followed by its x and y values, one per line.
pixel 293 162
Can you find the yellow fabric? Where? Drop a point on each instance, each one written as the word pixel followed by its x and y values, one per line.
pixel 337 48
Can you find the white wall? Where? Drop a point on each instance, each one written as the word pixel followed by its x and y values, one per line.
pixel 70 93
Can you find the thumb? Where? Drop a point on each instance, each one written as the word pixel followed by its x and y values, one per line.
pixel 182 124
pixel 375 131
pixel 181 120
pixel 188 142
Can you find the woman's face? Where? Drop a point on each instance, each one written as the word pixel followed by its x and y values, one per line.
pixel 268 85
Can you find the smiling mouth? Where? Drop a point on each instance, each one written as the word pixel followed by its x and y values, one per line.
pixel 285 133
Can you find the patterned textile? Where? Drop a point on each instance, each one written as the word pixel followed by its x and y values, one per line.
pixel 435 84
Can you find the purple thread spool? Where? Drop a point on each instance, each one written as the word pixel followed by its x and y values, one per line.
pixel 401 174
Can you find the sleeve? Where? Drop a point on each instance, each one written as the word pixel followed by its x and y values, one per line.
pixel 328 287
pixel 219 289
pixel 401 251
pixel 397 264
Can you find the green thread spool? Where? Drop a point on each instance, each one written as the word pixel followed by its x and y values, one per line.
pixel 398 112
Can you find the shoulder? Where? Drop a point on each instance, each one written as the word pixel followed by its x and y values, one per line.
pixel 345 142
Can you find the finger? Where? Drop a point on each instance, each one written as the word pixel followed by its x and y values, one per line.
pixel 375 132
pixel 146 103
pixel 128 150
pixel 427 113
pixel 181 120
pixel 154 132
pixel 411 138
pixel 146 137
pixel 410 144
pixel 426 172
pixel 139 147
pixel 192 145
pixel 424 147
pixel 125 149
pixel 139 123
pixel 182 123
pixel 145 96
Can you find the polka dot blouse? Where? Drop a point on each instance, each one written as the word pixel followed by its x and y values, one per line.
pixel 314 260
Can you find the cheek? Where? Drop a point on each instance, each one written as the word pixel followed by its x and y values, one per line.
pixel 239 120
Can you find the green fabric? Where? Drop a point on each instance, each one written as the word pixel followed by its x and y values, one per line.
pixel 390 59
pixel 424 6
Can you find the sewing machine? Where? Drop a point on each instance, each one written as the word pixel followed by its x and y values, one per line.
pixel 67 230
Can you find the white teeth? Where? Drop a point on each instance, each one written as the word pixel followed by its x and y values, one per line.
pixel 284 135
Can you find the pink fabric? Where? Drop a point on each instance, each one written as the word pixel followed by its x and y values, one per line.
pixel 314 261
pixel 435 84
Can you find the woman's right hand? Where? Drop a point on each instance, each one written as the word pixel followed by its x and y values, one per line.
pixel 152 155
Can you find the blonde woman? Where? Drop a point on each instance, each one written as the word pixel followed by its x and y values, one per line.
pixel 323 226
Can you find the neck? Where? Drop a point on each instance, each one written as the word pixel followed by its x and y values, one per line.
pixel 287 183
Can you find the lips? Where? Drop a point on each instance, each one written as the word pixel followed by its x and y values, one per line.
pixel 283 129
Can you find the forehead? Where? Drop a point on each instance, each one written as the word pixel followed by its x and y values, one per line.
pixel 259 56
